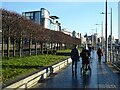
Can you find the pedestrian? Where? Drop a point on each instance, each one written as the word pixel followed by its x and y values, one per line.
pixel 75 58
pixel 85 54
pixel 100 54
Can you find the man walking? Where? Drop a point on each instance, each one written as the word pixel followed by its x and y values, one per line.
pixel 100 54
pixel 75 58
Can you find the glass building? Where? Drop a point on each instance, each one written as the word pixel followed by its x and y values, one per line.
pixel 42 17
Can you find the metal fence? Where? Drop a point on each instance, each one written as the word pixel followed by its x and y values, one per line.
pixel 114 57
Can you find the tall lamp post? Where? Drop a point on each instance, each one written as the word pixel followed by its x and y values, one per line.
pixel 101 33
pixel 111 38
pixel 92 41
pixel 106 39
pixel 110 34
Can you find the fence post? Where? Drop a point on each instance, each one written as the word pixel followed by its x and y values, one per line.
pixel 113 58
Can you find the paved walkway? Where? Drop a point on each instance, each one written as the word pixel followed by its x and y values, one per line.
pixel 102 76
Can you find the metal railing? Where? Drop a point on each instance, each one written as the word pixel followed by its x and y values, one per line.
pixel 114 57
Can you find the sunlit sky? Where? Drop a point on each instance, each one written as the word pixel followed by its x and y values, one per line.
pixel 78 16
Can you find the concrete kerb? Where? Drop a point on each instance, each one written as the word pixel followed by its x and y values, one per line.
pixel 32 79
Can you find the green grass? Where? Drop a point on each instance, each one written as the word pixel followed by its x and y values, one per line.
pixel 62 51
pixel 68 50
pixel 18 66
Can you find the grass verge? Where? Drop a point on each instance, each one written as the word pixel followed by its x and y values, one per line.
pixel 18 66
pixel 67 50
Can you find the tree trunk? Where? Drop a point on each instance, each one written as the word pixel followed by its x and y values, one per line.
pixel 51 47
pixel 46 48
pixel 35 48
pixel 41 44
pixel 2 44
pixel 57 45
pixel 20 47
pixel 29 46
pixel 8 47
pixel 14 49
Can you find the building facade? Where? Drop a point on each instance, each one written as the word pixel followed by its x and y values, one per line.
pixel 42 17
pixel 66 32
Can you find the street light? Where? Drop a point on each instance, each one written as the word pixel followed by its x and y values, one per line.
pixel 101 33
pixel 110 33
pixel 96 37
pixel 92 37
pixel 106 41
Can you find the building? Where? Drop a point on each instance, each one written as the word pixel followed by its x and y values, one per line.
pixel 119 21
pixel 73 34
pixel 76 35
pixel 42 17
pixel 66 32
pixel 83 40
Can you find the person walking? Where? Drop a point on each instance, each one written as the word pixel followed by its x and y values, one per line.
pixel 100 54
pixel 75 58
pixel 85 54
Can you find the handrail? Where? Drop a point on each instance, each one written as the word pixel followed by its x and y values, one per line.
pixel 115 58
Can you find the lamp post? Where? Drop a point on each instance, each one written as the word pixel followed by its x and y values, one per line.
pixel 101 33
pixel 111 38
pixel 106 39
pixel 96 38
pixel 110 33
pixel 92 37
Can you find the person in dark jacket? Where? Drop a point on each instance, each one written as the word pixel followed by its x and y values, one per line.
pixel 74 57
pixel 99 53
pixel 85 54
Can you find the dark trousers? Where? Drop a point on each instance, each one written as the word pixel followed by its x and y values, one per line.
pixel 99 58
pixel 74 63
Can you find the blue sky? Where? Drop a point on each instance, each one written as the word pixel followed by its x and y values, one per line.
pixel 78 16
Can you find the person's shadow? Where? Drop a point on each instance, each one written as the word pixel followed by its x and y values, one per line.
pixel 86 79
pixel 75 82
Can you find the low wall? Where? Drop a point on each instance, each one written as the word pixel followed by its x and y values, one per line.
pixel 34 78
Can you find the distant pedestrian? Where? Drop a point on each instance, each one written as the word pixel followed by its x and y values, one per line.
pixel 100 54
pixel 75 58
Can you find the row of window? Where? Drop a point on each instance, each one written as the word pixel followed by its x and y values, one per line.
pixel 42 17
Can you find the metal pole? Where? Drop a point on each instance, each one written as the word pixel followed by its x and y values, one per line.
pixel 111 38
pixel 106 41
pixel 92 38
pixel 102 35
pixel 96 39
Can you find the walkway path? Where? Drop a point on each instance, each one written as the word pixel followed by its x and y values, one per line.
pixel 102 76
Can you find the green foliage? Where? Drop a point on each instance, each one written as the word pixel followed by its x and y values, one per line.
pixel 67 51
pixel 80 49
pixel 16 66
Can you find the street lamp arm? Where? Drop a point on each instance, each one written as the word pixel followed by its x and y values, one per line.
pixel 104 13
pixel 98 24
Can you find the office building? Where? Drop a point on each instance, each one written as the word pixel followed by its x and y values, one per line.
pixel 42 17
